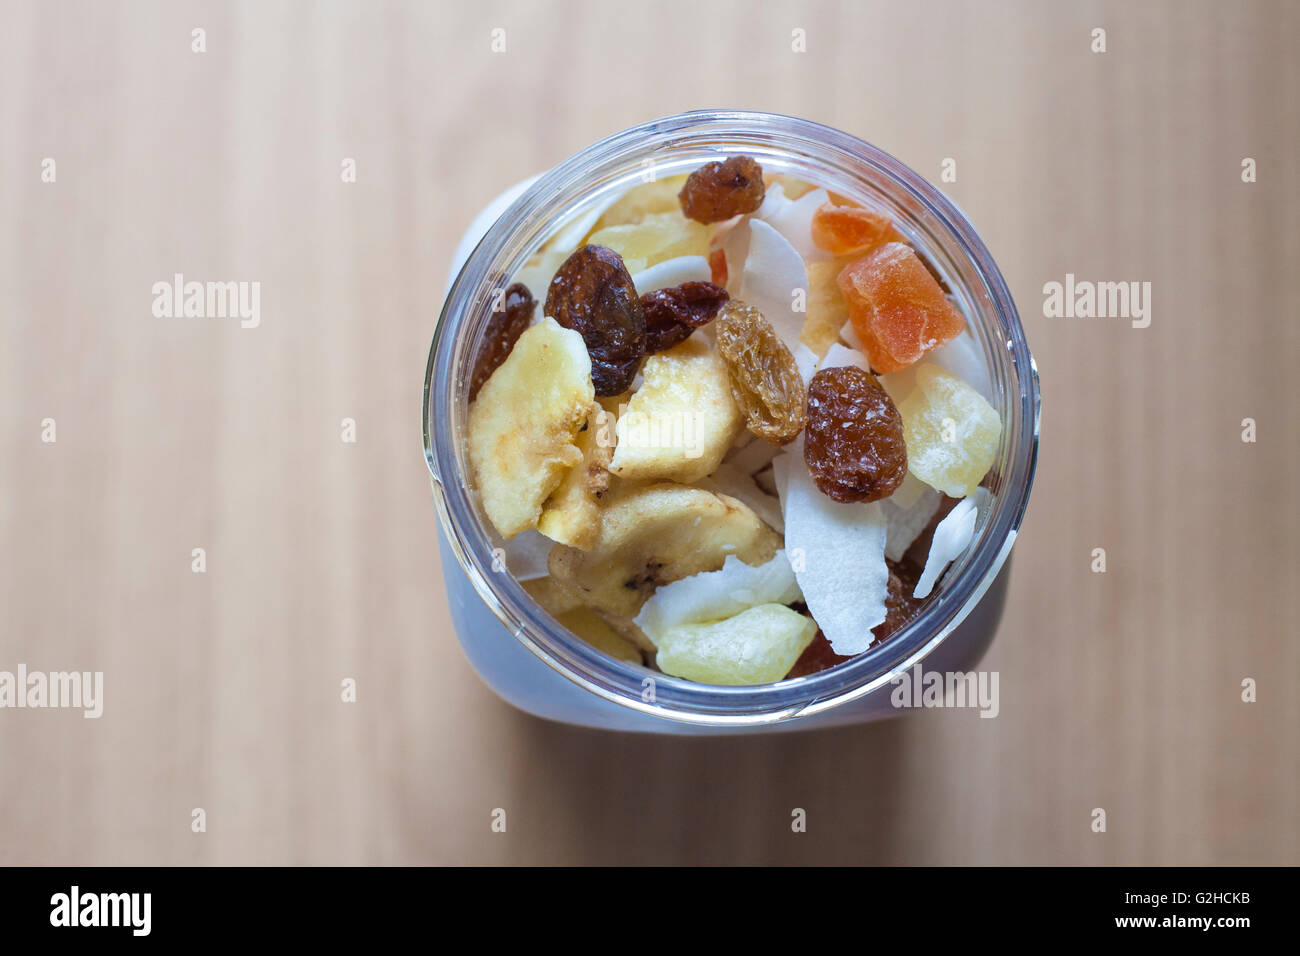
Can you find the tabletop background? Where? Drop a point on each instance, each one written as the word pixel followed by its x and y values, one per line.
pixel 1119 690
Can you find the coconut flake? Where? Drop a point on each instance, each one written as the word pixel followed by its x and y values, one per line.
pixel 571 236
pixel 524 555
pixel 774 200
pixel 838 554
pixel 962 357
pixel 752 457
pixel 537 277
pixel 672 272
pixel 849 334
pixel 806 359
pixel 951 537
pixel 907 511
pixel 715 595
pixel 838 356
pixel 773 272
pixel 731 480
pixel 735 249
pixel 793 220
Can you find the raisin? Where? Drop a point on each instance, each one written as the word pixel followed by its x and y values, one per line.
pixel 593 294
pixel 765 380
pixel 817 656
pixel 671 315
pixel 503 329
pixel 900 606
pixel 854 447
pixel 718 191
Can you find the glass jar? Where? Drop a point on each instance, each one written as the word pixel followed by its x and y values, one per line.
pixel 536 664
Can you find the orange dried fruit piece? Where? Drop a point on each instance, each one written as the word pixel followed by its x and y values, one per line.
pixel 845 230
pixel 896 307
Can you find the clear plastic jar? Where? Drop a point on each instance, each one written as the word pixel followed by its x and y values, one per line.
pixel 536 664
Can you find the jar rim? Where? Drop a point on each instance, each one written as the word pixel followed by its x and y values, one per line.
pixel 553 194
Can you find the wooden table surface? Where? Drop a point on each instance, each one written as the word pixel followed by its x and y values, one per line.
pixel 1119 690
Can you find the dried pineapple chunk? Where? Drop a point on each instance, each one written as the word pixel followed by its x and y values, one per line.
pixel 757 646
pixel 646 199
pixel 657 237
pixel 950 430
pixel 523 425
pixel 653 534
pixel 682 419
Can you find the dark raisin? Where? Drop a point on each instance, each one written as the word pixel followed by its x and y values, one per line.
pixel 854 445
pixel 671 315
pixel 504 327
pixel 817 656
pixel 718 191
pixel 593 294
pixel 900 606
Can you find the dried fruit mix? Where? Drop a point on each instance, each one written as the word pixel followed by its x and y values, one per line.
pixel 617 431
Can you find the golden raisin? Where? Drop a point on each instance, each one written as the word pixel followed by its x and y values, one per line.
pixel 854 447
pixel 718 191
pixel 765 379
pixel 504 327
pixel 593 294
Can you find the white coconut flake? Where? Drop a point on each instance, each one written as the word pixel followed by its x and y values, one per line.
pixel 898 385
pixel 806 359
pixel 752 457
pixel 525 555
pixel 774 200
pixel 911 491
pixel 951 537
pixel 907 511
pixel 735 249
pixel 672 272
pixel 963 357
pixel 838 555
pixel 716 595
pixel 793 220
pixel 537 277
pixel 731 480
pixel 849 334
pixel 774 273
pixel 569 237
pixel 781 466
pixel 838 356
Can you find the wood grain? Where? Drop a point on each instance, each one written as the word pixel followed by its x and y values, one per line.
pixel 1118 690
